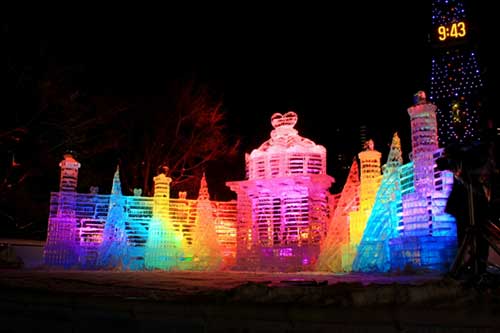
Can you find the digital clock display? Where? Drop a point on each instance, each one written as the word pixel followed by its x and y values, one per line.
pixel 454 30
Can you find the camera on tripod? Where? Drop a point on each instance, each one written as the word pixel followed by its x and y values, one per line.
pixel 466 161
pixel 472 204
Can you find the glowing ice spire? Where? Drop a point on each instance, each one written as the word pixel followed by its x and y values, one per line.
pixel 113 252
pixel 395 158
pixel 206 249
pixel 203 192
pixel 116 188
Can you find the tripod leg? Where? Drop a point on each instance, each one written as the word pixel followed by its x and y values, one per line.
pixel 492 234
pixel 459 258
pixel 493 245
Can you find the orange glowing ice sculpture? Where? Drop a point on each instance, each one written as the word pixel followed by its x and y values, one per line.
pixel 337 237
pixel 206 249
pixel 283 207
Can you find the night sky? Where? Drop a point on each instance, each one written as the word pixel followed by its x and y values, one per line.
pixel 336 67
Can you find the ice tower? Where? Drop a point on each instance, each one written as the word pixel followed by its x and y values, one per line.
pixel 427 235
pixel 62 246
pixel 283 206
pixel 370 177
pixel 163 247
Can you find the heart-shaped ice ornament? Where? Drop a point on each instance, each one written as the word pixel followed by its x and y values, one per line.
pixel 288 119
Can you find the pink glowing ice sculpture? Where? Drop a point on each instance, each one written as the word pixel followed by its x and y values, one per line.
pixel 283 207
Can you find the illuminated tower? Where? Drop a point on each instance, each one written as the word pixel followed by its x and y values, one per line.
pixel 426 235
pixel 455 84
pixel 61 248
pixel 370 178
pixel 283 206
pixel 424 142
pixel 163 248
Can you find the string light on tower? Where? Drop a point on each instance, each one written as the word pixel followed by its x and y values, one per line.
pixel 455 81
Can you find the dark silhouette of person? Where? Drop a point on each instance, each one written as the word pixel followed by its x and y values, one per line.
pixel 472 173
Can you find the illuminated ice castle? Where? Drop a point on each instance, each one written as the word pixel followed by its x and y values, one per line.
pixel 406 224
pixel 115 231
pixel 283 206
pixel 284 219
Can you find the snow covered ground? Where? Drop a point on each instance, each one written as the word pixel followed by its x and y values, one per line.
pixel 39 299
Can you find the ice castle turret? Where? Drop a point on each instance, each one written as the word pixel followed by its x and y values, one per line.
pixel 370 177
pixel 163 247
pixel 283 206
pixel 62 245
pixel 426 237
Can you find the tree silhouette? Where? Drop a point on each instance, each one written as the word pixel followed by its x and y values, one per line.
pixel 184 130
pixel 60 95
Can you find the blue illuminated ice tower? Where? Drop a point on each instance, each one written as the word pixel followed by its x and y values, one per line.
pixel 426 235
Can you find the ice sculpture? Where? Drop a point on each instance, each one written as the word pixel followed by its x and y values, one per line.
pixel 332 256
pixel 424 143
pixel 61 247
pixel 283 206
pixel 427 235
pixel 405 222
pixel 225 215
pixel 113 252
pixel 163 247
pixel 373 253
pixel 206 249
pixel 114 231
pixel 370 177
